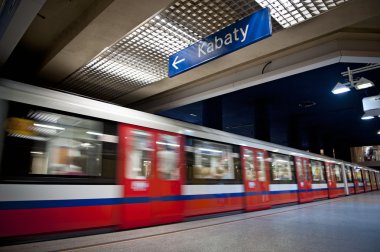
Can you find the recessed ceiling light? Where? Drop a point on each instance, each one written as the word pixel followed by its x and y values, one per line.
pixel 340 88
pixel 367 117
pixel 363 83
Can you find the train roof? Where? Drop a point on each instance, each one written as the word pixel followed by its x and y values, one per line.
pixel 33 95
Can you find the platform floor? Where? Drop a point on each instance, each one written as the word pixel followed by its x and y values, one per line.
pixel 345 224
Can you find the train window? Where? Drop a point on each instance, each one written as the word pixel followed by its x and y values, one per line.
pixel 306 167
pixel 139 158
pixel 282 169
pixel 300 170
pixel 348 174
pixel 168 157
pixel 338 173
pixel 366 177
pixel 212 162
pixel 41 142
pixel 261 163
pixel 358 174
pixel 373 180
pixel 317 171
pixel 249 165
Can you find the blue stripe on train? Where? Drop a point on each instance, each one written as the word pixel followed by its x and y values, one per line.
pixel 313 190
pixel 34 204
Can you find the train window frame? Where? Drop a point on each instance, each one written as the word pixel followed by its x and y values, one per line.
pixel 261 166
pixel 324 172
pixel 339 168
pixel 140 155
pixel 249 165
pixel 190 157
pixel 348 170
pixel 358 171
pixel 108 155
pixel 292 169
pixel 307 166
pixel 168 153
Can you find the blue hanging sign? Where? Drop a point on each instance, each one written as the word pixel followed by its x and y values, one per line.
pixel 238 35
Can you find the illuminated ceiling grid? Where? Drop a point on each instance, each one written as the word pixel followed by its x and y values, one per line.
pixel 141 57
pixel 291 12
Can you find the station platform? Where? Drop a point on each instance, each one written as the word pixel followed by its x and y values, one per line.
pixel 349 223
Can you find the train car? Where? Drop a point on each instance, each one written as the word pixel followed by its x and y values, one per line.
pixel 70 163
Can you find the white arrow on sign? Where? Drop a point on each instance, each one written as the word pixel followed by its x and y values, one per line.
pixel 175 62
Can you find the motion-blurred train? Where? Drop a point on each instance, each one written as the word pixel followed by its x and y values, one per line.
pixel 70 163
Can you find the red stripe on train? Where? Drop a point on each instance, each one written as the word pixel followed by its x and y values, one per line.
pixel 48 220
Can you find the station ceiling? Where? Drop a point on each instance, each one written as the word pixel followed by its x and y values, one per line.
pixel 117 51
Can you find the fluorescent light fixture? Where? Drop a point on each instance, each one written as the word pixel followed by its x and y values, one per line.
pixel 370 114
pixel 37 152
pixel 210 150
pixel 282 161
pixel 168 144
pixel 367 117
pixel 378 132
pixel 94 133
pixel 340 88
pixel 140 133
pixel 48 126
pixel 363 83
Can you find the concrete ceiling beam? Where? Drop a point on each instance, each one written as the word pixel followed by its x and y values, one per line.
pixel 118 18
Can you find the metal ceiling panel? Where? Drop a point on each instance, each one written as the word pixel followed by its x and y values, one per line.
pixel 140 57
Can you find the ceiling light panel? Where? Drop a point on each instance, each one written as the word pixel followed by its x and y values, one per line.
pixel 291 12
pixel 140 58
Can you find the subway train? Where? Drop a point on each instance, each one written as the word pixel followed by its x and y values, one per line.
pixel 71 164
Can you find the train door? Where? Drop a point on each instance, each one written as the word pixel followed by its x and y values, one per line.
pixel 256 179
pixel 151 176
pixel 331 182
pixel 367 182
pixel 338 177
pixel 358 180
pixel 167 178
pixel 349 179
pixel 373 180
pixel 305 192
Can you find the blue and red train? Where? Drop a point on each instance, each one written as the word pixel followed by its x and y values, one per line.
pixel 71 164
